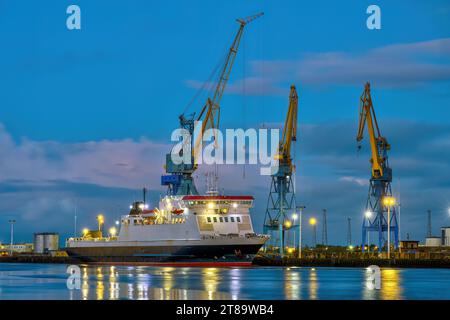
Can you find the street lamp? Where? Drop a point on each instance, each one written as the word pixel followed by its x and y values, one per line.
pixel 389 202
pixel 313 223
pixel 300 225
pixel 368 215
pixel 12 236
pixel 294 218
pixel 100 220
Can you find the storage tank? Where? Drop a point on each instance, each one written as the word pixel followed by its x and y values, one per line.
pixel 44 242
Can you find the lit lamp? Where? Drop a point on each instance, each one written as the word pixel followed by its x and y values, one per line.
pixel 112 232
pixel 389 202
pixel 313 222
pixel 85 232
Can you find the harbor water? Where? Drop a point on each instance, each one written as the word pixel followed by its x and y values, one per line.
pixel 49 281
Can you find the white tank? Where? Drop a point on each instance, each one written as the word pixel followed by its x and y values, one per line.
pixel 45 242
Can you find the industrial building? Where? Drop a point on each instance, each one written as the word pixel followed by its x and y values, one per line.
pixel 18 248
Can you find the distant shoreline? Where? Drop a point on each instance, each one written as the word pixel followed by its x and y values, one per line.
pixel 273 262
pixel 352 262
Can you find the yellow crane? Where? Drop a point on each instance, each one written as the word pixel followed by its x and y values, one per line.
pixel 379 216
pixel 281 200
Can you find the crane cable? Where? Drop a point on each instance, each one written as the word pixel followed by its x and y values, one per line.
pixel 205 84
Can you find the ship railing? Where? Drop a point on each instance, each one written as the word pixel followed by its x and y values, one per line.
pixel 233 235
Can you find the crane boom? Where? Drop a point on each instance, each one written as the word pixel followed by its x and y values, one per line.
pixel 180 179
pixel 212 107
pixel 290 129
pixel 378 143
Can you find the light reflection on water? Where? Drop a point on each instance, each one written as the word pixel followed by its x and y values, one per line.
pixel 40 281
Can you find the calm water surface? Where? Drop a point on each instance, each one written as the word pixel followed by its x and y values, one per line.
pixel 48 281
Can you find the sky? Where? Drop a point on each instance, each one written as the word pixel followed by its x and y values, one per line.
pixel 86 115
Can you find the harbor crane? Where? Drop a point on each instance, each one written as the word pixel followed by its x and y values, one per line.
pixel 179 178
pixel 380 215
pixel 281 199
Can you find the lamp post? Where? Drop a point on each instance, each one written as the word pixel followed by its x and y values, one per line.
pixel 12 236
pixel 389 202
pixel 100 220
pixel 300 226
pixel 368 215
pixel 294 218
pixel 313 223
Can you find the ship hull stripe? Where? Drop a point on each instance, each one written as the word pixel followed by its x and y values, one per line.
pixel 192 254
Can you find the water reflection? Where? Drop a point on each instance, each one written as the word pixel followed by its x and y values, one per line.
pixel 391 286
pixel 210 281
pixel 100 290
pixel 235 283
pixel 113 284
pixel 292 284
pixel 313 284
pixel 162 283
pixel 85 283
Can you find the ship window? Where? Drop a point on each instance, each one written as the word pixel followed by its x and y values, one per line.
pixel 215 219
pixel 238 219
pixel 232 219
pixel 226 219
pixel 208 219
pixel 221 219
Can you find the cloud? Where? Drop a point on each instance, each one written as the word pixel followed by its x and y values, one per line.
pixel 392 66
pixel 109 163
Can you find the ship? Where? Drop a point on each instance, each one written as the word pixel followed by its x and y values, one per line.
pixel 190 230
